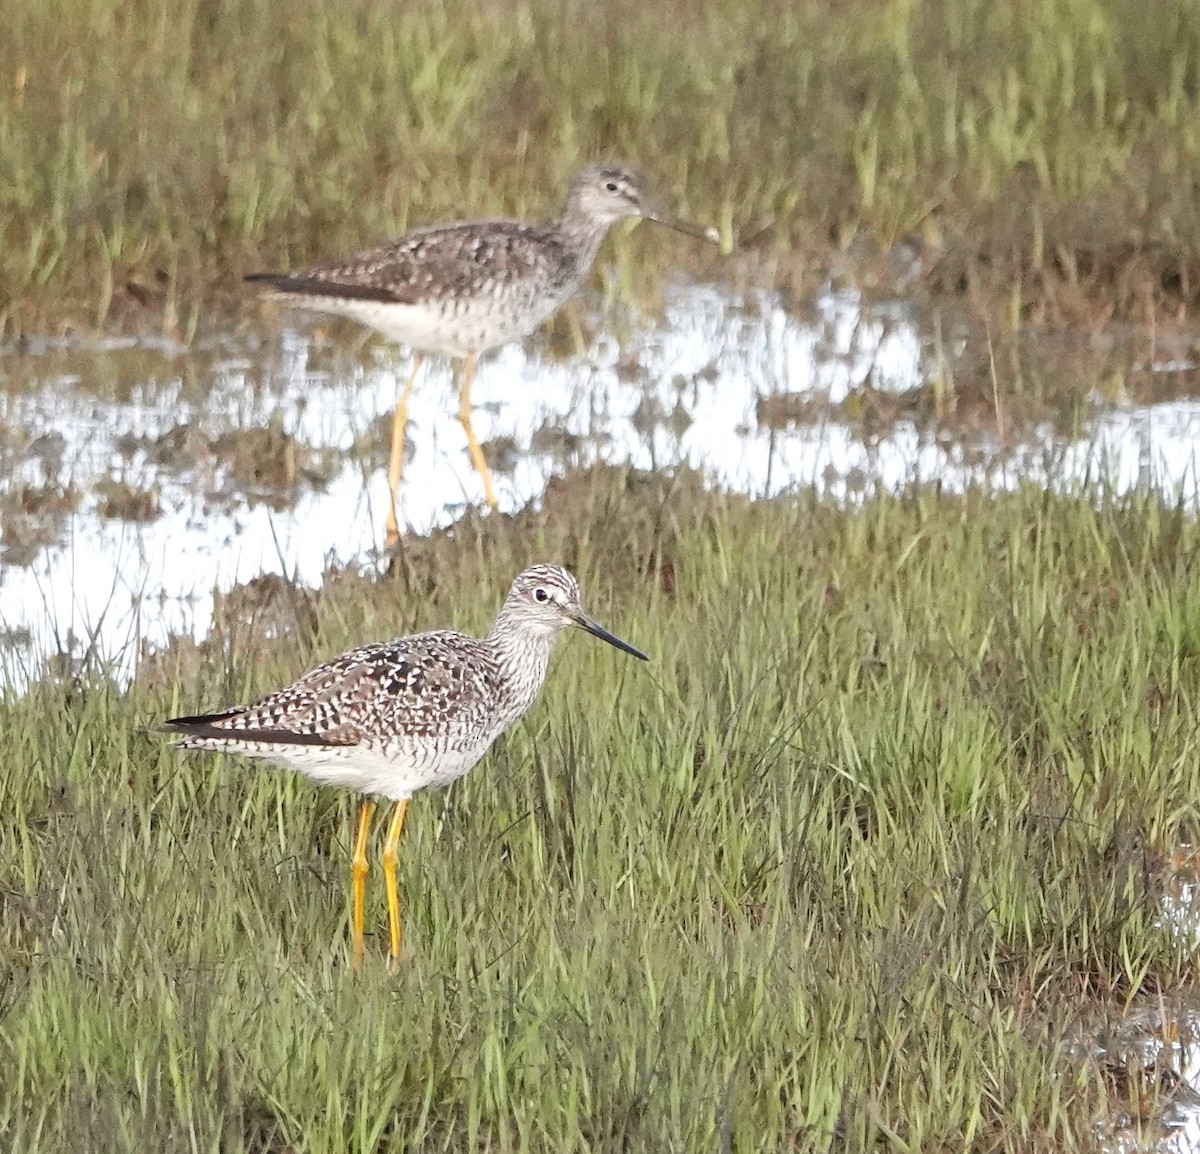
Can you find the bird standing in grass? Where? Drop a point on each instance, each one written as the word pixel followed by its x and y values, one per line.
pixel 460 289
pixel 390 719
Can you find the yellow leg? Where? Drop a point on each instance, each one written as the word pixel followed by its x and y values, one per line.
pixel 391 845
pixel 396 457
pixel 358 874
pixel 464 415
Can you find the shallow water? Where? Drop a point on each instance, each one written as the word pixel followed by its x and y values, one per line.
pixel 1156 1045
pixel 139 477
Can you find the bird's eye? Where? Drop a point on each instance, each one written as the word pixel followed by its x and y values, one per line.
pixel 610 186
pixel 540 594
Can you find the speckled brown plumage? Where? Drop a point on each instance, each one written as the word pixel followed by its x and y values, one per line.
pixel 461 288
pixel 396 717
pixel 451 262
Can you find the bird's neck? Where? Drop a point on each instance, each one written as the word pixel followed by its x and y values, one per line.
pixel 582 233
pixel 523 657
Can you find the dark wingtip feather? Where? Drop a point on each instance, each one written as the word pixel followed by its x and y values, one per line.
pixel 185 724
pixel 199 725
pixel 206 725
pixel 311 286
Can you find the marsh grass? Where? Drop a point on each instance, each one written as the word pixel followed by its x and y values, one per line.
pixel 150 153
pixel 842 867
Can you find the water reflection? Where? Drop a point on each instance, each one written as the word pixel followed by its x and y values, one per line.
pixel 140 476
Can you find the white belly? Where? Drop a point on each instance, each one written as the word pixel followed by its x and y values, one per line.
pixel 393 774
pixel 455 332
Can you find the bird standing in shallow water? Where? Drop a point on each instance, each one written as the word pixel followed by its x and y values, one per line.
pixel 390 719
pixel 460 289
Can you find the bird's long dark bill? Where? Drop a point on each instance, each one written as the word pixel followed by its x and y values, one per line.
pixel 709 234
pixel 585 622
